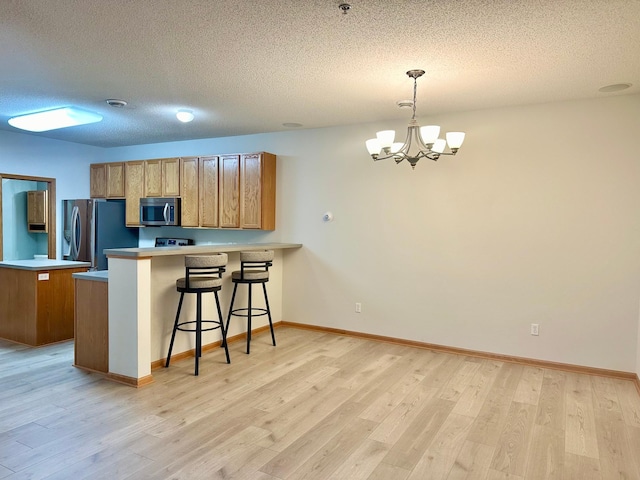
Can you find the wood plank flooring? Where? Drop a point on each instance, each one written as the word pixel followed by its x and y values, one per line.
pixel 317 406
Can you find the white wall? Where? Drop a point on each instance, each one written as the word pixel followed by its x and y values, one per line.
pixel 17 242
pixel 535 221
pixel 68 163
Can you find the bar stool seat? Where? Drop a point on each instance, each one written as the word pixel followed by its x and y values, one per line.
pixel 195 284
pixel 254 268
pixel 203 274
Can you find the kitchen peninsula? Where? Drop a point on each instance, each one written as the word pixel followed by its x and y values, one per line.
pixel 36 300
pixel 142 300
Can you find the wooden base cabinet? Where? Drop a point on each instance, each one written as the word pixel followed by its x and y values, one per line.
pixel 92 325
pixel 36 306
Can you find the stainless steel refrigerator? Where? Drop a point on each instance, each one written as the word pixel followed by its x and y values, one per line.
pixel 90 226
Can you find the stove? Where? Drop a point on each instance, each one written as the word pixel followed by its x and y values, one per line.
pixel 173 242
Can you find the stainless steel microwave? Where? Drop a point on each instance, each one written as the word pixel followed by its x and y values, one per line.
pixel 160 211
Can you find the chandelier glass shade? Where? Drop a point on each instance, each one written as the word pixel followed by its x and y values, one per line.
pixel 421 142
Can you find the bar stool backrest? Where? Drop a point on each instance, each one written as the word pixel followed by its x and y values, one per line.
pixel 199 266
pixel 255 261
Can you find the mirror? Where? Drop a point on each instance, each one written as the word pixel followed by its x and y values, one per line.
pixel 17 242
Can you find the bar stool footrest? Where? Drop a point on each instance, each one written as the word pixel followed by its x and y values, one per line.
pixel 253 309
pixel 203 322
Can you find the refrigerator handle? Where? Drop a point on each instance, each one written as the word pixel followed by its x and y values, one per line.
pixel 94 213
pixel 76 236
pixel 165 213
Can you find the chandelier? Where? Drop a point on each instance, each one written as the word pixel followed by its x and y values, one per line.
pixel 421 142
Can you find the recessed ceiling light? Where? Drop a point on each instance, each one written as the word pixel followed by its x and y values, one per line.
pixel 185 116
pixel 292 125
pixel 616 87
pixel 53 119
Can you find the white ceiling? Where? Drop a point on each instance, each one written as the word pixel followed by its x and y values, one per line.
pixel 249 66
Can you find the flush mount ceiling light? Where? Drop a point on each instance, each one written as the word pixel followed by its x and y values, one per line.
pixel 421 142
pixel 185 116
pixel 53 119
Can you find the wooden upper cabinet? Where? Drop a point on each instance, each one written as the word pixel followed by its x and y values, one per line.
pixel 258 191
pixel 115 180
pixel 229 191
pixel 218 191
pixel 134 187
pixel 37 211
pixel 209 192
pixel 153 178
pixel 106 180
pixel 162 177
pixel 189 188
pixel 171 177
pixel 98 180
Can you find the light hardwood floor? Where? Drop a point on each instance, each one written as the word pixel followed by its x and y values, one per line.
pixel 317 406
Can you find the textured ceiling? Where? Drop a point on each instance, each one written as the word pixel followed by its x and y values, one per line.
pixel 250 66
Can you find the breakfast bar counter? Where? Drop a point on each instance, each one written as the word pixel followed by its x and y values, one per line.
pixel 142 303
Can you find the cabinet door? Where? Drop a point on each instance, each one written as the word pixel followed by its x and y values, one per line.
pixel 189 189
pixel 98 180
pixel 258 191
pixel 229 184
pixel 209 192
pixel 268 191
pixel 170 177
pixel 115 180
pixel 37 211
pixel 37 207
pixel 250 191
pixel 153 178
pixel 134 187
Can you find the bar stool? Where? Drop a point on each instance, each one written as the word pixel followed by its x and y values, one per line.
pixel 203 274
pixel 254 268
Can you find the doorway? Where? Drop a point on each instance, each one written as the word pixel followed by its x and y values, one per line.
pixel 11 227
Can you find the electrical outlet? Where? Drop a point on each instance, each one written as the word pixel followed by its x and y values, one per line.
pixel 534 329
pixel 358 307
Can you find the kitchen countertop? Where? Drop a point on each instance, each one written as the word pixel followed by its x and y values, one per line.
pixel 47 264
pixel 195 249
pixel 98 276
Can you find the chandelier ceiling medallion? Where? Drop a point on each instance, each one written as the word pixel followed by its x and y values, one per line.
pixel 421 142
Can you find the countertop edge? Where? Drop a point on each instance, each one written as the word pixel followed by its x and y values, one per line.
pixel 98 276
pixel 195 249
pixel 44 267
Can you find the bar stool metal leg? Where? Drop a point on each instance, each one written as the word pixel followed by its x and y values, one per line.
pixel 223 330
pixel 175 328
pixel 198 330
pixel 266 301
pixel 233 297
pixel 249 321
